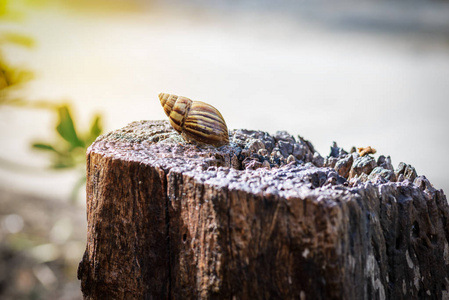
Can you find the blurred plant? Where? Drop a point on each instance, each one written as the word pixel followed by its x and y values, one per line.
pixel 69 149
pixel 11 77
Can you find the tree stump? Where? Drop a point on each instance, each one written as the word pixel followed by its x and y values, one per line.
pixel 265 217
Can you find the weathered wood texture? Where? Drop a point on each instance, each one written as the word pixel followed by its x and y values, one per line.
pixel 169 220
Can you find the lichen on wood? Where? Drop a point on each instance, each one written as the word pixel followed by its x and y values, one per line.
pixel 263 217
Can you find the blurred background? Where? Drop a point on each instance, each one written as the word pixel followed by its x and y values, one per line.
pixel 356 72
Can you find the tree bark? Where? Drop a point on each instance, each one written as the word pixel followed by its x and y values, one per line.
pixel 265 217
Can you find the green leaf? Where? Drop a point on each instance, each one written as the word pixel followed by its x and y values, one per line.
pixel 64 161
pixel 66 128
pixel 3 7
pixel 3 80
pixel 96 128
pixel 17 39
pixel 44 146
pixel 13 75
pixel 62 165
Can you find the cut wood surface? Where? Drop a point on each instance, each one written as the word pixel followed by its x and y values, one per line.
pixel 265 217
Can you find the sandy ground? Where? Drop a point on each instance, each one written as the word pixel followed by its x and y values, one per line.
pixel 267 70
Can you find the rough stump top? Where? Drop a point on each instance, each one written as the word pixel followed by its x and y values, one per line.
pixel 258 162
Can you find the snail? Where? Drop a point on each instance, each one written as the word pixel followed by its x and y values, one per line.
pixel 195 120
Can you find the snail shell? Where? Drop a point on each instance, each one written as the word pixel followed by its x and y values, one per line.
pixel 195 120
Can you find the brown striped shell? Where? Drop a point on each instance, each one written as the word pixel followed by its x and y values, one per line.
pixel 195 120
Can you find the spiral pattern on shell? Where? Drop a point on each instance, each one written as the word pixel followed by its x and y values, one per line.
pixel 195 120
